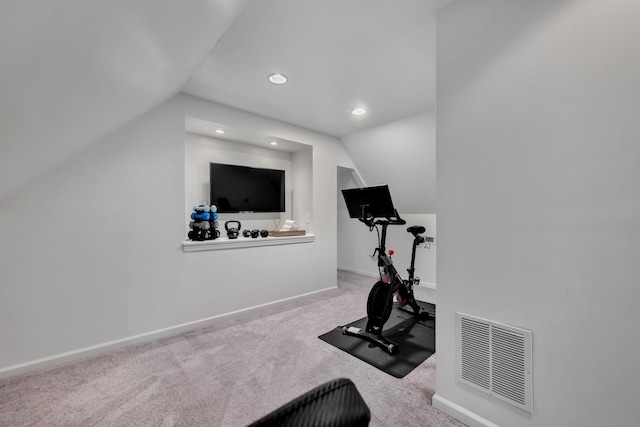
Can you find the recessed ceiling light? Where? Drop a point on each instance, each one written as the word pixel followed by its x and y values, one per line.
pixel 220 131
pixel 358 111
pixel 278 79
pixel 273 143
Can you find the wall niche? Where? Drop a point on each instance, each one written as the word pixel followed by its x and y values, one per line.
pixel 205 143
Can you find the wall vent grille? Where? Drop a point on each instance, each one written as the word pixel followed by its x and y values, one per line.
pixel 496 359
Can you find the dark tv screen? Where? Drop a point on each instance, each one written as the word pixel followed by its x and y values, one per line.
pixel 237 189
pixel 369 202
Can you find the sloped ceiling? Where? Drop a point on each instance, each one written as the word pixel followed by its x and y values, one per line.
pixel 72 71
pixel 337 55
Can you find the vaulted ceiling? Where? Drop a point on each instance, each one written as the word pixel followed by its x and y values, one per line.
pixel 336 54
pixel 74 71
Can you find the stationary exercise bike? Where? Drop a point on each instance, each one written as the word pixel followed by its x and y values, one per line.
pixel 373 207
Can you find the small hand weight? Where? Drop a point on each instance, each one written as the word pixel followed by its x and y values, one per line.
pixel 201 216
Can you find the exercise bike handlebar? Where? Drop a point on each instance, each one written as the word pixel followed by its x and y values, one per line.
pixel 389 221
pixel 383 221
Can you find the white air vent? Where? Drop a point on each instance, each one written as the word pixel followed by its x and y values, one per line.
pixel 496 359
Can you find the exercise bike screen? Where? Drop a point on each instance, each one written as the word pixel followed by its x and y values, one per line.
pixel 375 200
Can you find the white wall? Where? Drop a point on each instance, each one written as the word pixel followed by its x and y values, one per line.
pixel 302 178
pixel 91 253
pixel 539 202
pixel 401 154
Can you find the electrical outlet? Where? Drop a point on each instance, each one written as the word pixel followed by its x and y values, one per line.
pixel 307 218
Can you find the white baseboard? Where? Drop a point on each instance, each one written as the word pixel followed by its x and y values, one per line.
pixel 360 272
pixel 375 274
pixel 428 285
pixel 459 413
pixel 70 356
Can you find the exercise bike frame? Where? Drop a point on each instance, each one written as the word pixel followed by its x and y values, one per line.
pixel 380 301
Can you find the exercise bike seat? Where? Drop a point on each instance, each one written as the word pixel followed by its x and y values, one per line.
pixel 416 229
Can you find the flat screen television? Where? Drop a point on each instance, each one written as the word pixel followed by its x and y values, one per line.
pixel 243 189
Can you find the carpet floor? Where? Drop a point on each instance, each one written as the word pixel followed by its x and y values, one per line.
pixel 227 375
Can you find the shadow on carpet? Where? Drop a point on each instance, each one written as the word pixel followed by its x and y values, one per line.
pixel 416 339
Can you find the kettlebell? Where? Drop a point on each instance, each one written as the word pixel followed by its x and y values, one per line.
pixel 264 233
pixel 232 232
pixel 246 233
pixel 255 233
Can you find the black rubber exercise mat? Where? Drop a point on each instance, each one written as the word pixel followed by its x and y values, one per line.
pixel 416 339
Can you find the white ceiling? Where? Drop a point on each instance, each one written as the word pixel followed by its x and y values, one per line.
pixel 337 54
pixel 73 71
pixel 238 134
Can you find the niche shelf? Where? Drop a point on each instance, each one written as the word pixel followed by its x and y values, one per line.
pixel 224 243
